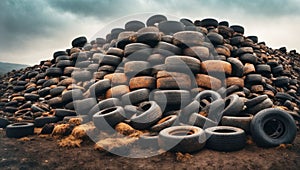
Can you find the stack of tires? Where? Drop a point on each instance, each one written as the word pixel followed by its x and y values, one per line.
pixel 188 84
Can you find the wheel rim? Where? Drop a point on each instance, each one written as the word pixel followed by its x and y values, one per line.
pixel 274 128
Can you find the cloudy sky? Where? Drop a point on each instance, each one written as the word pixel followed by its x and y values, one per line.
pixel 31 30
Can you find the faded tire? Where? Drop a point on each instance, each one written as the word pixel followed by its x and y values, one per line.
pixel 107 118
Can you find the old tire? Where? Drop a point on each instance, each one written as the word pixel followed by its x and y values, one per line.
pixel 272 127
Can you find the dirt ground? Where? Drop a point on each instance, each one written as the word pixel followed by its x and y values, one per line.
pixel 44 153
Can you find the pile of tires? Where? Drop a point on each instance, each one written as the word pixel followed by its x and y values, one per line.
pixel 188 84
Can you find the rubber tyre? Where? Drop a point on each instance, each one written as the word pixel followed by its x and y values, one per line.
pixel 135 97
pixel 104 104
pixel 170 27
pixel 242 121
pixel 142 82
pixel 72 95
pixel 99 88
pixel 155 19
pixel 182 64
pixel 107 118
pixel 286 123
pixel 3 122
pixel 54 72
pixel 18 130
pixel 186 139
pixel 172 99
pixel 79 42
pixel 150 115
pixel 225 138
pixel 41 121
pixel 218 66
pixel 261 106
pixel 164 123
pixel 254 101
pixel 208 82
pixel 203 122
pixel 64 112
pixel 237 67
pixel 208 94
pixel 233 105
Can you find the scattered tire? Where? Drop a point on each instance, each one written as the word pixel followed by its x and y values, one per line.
pixel 164 123
pixel 106 119
pixel 225 138
pixel 272 127
pixel 18 130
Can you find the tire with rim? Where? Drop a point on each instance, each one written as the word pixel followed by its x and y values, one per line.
pixel 18 130
pixel 272 127
pixel 225 138
pixel 186 139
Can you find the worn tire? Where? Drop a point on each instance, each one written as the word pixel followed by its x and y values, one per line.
pixel 225 138
pixel 18 130
pixel 107 118
pixel 186 139
pixel 241 121
pixel 272 127
pixel 142 82
pixel 164 123
pixel 135 97
pixel 233 105
pixel 150 115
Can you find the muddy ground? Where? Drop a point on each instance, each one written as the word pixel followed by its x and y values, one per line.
pixel 44 153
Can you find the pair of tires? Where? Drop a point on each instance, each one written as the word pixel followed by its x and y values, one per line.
pixel 192 139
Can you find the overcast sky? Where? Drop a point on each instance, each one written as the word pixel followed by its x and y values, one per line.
pixel 31 30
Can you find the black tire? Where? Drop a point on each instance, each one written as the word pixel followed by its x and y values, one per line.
pixel 182 64
pixel 253 102
pixel 277 70
pixel 203 122
pixel 57 91
pixel 225 138
pixel 215 38
pixel 208 94
pixel 3 122
pixel 170 27
pixel 104 104
pixel 44 91
pixel 54 72
pixel 282 81
pixel 134 25
pixel 238 29
pixel 233 105
pixel 135 97
pixel 82 75
pixel 41 121
pixel 263 69
pixel 241 121
pixel 99 88
pixel 168 47
pixel 59 53
pixel 164 123
pixel 263 105
pixel 137 68
pixel 248 58
pixel 82 107
pixel 135 47
pixel 64 112
pixel 31 97
pixel 79 42
pixel 18 130
pixel 106 119
pixel 110 60
pixel 253 79
pixel 71 95
pixel 284 96
pixel 82 64
pixel 253 38
pixel 272 127
pixel 224 23
pixel 172 99
pixel 186 139
pixel 209 22
pixel 149 38
pixel 115 51
pixel 187 22
pixel 150 115
pixel 155 19
pixel 55 102
pixel 64 63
